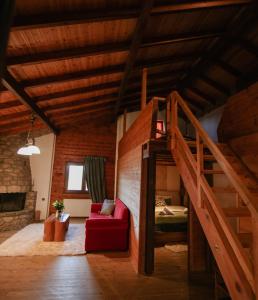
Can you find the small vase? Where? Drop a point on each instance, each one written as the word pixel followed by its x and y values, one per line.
pixel 57 214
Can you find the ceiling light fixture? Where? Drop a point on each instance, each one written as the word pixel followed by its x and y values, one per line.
pixel 30 147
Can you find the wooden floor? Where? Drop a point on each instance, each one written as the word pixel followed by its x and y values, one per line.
pixel 96 276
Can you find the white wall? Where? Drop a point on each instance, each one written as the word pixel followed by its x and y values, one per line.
pixel 211 121
pixel 41 172
pixel 78 207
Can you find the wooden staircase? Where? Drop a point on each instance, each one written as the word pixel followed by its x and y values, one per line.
pixel 230 226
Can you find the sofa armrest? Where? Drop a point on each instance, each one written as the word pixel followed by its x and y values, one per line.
pixel 96 207
pixel 105 223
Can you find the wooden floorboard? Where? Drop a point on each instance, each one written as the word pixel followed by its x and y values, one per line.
pixel 97 276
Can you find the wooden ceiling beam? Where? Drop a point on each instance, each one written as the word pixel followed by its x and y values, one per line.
pixel 17 89
pixel 216 85
pixel 206 98
pixel 105 86
pixel 102 99
pixel 19 126
pixel 98 100
pixel 77 91
pixel 80 75
pixel 248 46
pixel 82 17
pixel 10 104
pixel 241 23
pixel 108 70
pixel 141 24
pixel 12 117
pixel 228 68
pixel 47 57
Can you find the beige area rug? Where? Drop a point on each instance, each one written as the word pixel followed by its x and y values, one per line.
pixel 28 242
pixel 177 247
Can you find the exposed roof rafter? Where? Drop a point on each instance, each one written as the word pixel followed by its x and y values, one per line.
pixel 79 17
pixel 141 24
pixel 86 74
pixel 16 88
pixel 65 54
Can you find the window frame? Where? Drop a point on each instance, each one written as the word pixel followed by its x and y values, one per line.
pixel 83 190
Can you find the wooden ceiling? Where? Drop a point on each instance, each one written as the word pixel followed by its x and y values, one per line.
pixel 80 61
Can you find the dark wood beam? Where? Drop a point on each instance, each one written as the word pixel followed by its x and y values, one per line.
pixel 141 24
pixel 10 104
pixel 77 91
pixel 6 18
pixel 82 17
pixel 248 46
pixel 19 126
pixel 216 85
pixel 79 75
pixel 88 102
pixel 228 68
pixel 206 98
pixel 242 22
pixel 65 54
pixel 104 86
pixel 108 70
pixel 12 117
pixel 249 78
pixel 17 89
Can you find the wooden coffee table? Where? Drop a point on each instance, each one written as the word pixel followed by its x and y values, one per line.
pixel 55 229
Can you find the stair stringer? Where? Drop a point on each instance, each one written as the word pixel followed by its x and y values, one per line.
pixel 237 284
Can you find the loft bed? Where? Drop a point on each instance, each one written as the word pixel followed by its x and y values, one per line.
pixel 171 218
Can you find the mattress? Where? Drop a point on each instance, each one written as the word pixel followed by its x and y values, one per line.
pixel 179 215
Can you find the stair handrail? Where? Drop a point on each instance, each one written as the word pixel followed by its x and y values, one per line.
pixel 241 189
pixel 173 100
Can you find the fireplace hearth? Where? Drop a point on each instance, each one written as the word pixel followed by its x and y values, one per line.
pixel 12 201
pixel 17 198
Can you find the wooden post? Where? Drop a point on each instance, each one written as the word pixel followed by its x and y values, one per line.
pixel 255 252
pixel 173 121
pixel 199 147
pixel 197 258
pixel 6 16
pixel 144 89
pixel 124 122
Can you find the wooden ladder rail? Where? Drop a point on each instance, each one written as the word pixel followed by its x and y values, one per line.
pixel 206 198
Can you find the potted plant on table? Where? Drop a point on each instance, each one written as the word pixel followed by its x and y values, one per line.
pixel 59 206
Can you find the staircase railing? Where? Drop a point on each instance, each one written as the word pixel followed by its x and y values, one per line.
pixel 238 269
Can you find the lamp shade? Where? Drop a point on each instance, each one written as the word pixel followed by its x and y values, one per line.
pixel 24 151
pixel 33 149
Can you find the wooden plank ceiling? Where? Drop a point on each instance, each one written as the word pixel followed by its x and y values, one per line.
pixel 80 61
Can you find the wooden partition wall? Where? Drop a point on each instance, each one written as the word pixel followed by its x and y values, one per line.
pixel 130 177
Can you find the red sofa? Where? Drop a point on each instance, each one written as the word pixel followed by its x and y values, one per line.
pixel 107 232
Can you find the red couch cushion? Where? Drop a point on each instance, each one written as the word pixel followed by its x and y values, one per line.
pixel 121 211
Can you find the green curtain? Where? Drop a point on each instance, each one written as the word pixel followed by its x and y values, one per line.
pixel 95 177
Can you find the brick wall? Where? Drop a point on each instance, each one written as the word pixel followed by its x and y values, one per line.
pixel 73 145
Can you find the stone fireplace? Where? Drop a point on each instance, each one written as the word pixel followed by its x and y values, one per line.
pixel 17 200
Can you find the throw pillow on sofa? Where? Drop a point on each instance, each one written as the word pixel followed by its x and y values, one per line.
pixel 108 207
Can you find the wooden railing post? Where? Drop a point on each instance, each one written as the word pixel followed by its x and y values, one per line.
pixel 200 167
pixel 174 121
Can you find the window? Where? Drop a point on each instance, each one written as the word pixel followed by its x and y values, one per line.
pixel 75 178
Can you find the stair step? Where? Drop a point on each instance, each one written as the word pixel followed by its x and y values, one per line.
pixel 213 171
pixel 235 212
pixel 246 239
